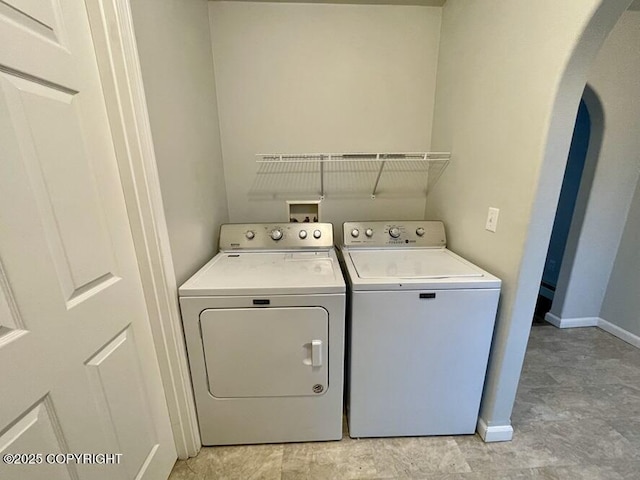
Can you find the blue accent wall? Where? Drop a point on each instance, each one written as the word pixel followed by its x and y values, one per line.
pixel 567 201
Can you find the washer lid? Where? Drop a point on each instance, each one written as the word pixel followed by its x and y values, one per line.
pixel 275 273
pixel 414 263
pixel 413 268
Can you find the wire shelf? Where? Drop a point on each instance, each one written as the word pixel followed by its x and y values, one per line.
pixel 347 174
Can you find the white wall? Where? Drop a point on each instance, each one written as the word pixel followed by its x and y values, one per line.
pixel 595 235
pixel 510 76
pixel 295 78
pixel 622 300
pixel 175 54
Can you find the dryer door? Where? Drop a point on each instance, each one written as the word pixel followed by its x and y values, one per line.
pixel 266 352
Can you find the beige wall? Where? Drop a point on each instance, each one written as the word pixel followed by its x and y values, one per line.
pixel 510 76
pixel 604 203
pixel 175 54
pixel 296 78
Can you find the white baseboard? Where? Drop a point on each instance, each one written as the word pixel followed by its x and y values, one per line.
pixel 622 334
pixel 571 322
pixel 552 319
pixel 495 433
pixel 609 327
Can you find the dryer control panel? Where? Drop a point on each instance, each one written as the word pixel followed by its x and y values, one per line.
pixel 275 236
pixel 403 233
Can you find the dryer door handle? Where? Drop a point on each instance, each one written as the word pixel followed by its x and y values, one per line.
pixel 316 353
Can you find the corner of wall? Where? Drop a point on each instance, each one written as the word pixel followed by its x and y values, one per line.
pixel 618 332
pixel 220 146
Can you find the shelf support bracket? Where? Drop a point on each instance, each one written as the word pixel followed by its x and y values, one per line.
pixel 321 178
pixel 375 187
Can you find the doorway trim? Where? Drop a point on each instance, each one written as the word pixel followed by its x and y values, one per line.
pixel 595 109
pixel 117 54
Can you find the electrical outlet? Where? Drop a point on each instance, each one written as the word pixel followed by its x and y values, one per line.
pixel 492 219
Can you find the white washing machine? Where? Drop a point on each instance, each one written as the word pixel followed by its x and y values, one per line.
pixel 264 325
pixel 420 324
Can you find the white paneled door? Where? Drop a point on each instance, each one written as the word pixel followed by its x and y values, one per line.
pixel 78 368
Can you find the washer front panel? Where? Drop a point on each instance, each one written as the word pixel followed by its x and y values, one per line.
pixel 418 361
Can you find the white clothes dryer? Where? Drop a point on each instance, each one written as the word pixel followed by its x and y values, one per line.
pixel 420 325
pixel 264 326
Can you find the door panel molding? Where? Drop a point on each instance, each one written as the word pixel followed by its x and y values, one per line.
pixel 104 370
pixel 31 21
pixel 32 78
pixel 39 424
pixel 83 258
pixel 36 26
pixel 10 317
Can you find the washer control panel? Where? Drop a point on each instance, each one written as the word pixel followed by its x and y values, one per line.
pixel 275 236
pixel 403 233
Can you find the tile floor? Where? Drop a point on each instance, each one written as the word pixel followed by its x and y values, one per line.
pixel 577 416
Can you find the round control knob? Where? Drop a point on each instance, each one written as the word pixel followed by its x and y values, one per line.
pixel 317 234
pixel 302 234
pixel 355 233
pixel 250 234
pixel 276 234
pixel 420 231
pixel 394 232
pixel 368 232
